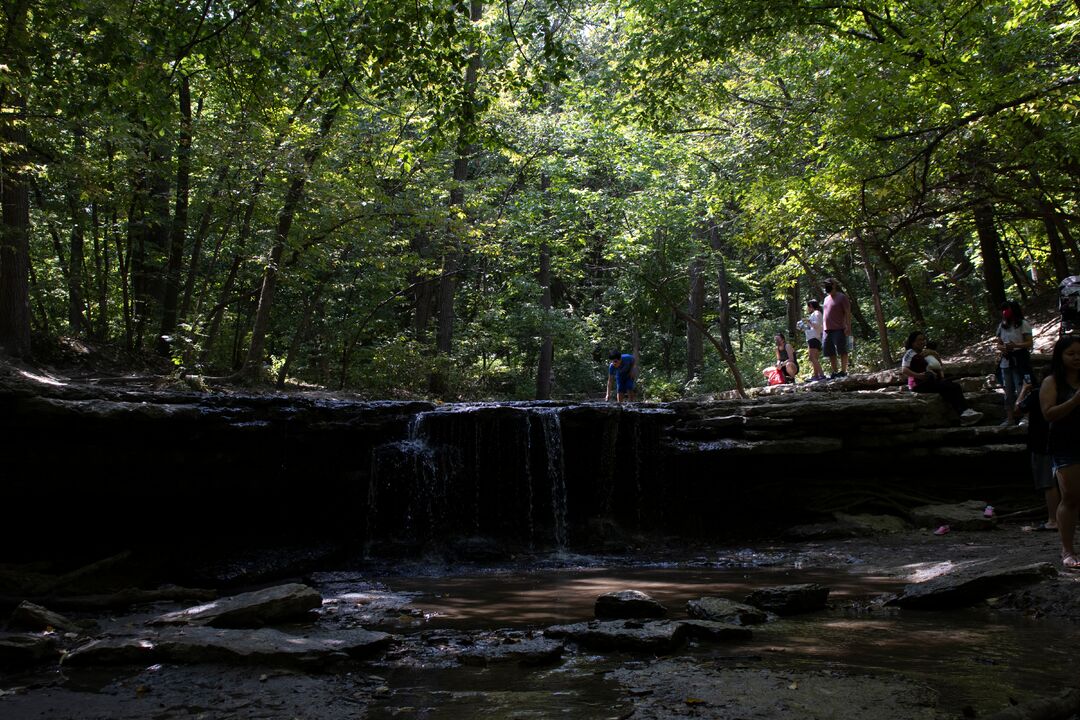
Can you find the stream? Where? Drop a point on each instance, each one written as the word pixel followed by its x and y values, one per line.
pixel 976 660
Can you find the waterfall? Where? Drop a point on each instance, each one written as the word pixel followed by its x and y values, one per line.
pixel 526 443
pixel 552 425
pixel 404 491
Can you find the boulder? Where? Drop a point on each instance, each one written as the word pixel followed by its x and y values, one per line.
pixel 832 530
pixel 196 645
pixel 249 610
pixel 878 524
pixel 18 651
pixel 846 526
pixel 960 516
pixel 657 636
pixel 790 599
pixel 970 585
pixel 724 611
pixel 628 604
pixel 527 652
pixel 28 616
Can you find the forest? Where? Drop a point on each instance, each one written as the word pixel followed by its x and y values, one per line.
pixel 470 200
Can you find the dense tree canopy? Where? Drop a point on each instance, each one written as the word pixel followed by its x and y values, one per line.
pixel 479 200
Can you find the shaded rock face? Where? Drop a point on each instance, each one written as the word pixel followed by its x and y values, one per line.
pixel 207 645
pixel 18 652
pixel 970 515
pixel 628 604
pixel 29 616
pixel 249 610
pixel 409 476
pixel 650 636
pixel 726 611
pixel 970 585
pixel 790 599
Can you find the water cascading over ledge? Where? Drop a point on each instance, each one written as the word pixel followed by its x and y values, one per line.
pixel 534 475
pixel 99 470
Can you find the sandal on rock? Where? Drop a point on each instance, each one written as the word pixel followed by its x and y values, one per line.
pixel 1041 527
pixel 1070 562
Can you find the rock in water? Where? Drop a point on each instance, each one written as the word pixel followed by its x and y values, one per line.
pixel 628 605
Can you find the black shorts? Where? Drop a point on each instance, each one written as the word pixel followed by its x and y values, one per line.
pixel 835 343
pixel 813 344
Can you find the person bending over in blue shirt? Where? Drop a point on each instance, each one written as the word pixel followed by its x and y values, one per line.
pixel 622 371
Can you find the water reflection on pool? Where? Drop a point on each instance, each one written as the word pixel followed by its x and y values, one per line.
pixel 974 659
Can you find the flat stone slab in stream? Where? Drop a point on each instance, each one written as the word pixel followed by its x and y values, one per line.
pixel 253 609
pixel 790 599
pixel 655 636
pixel 725 611
pixel 196 645
pixel 970 585
pixel 627 604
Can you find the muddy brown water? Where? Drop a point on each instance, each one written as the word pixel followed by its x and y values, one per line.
pixel 975 660
pixel 972 661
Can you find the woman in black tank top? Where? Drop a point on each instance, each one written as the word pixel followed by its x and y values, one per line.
pixel 1059 398
pixel 785 358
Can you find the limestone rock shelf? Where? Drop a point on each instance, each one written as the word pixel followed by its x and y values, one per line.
pixel 132 466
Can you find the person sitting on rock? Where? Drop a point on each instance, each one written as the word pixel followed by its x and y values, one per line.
pixel 922 378
pixel 786 364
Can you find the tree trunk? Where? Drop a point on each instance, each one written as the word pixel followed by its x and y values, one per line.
pixel 1057 250
pixel 724 308
pixel 244 234
pixel 900 276
pixel 78 310
pixel 100 327
pixel 991 259
pixel 451 264
pixel 879 312
pixel 1015 270
pixel 14 191
pixel 252 367
pixel 178 233
pixel 794 311
pixel 301 331
pixel 695 308
pixel 148 236
pixel 77 252
pixel 201 233
pixel 545 363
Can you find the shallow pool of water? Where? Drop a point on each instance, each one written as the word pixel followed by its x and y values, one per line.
pixel 975 660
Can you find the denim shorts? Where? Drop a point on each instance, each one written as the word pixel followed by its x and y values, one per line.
pixel 1065 460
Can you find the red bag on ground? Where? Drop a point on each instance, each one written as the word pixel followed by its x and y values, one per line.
pixel 774 377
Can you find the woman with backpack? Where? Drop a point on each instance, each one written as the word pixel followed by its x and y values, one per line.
pixel 1013 339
